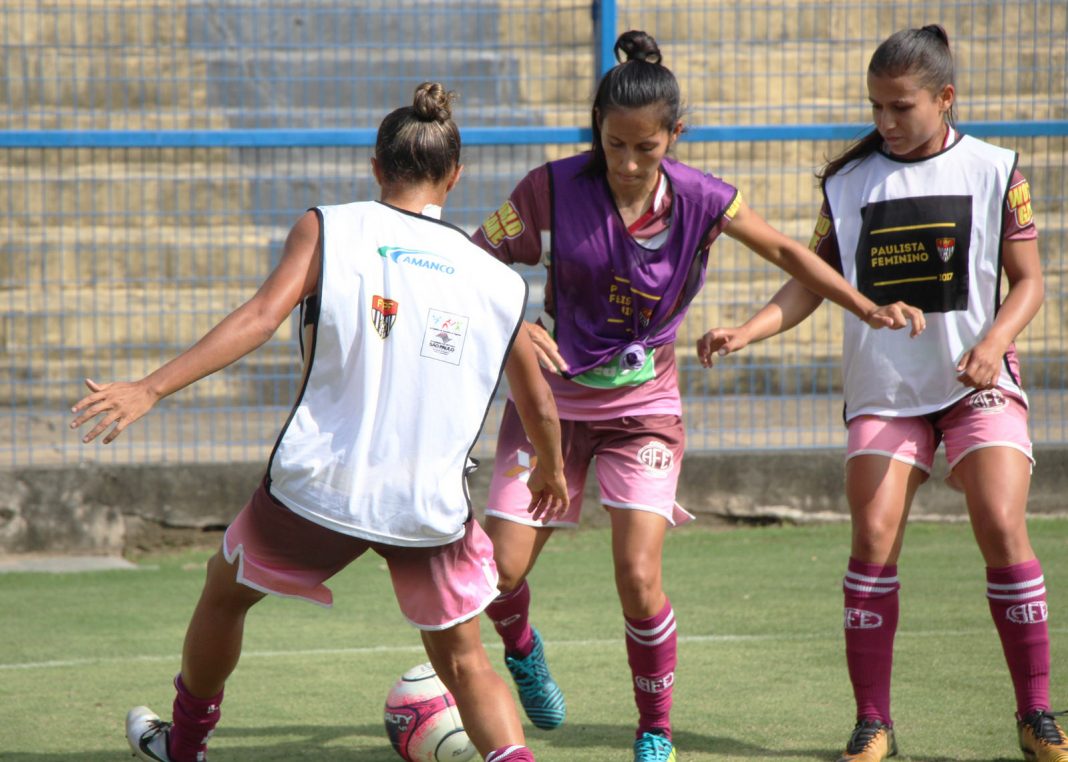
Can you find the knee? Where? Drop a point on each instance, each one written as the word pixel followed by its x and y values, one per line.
pixel 221 587
pixel 874 539
pixel 459 668
pixel 509 579
pixel 638 580
pixel 1003 541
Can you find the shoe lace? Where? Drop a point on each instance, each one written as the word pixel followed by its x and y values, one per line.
pixel 1044 726
pixel 529 674
pixel 652 744
pixel 155 727
pixel 863 734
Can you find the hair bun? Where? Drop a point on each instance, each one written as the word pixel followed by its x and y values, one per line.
pixel 433 103
pixel 938 31
pixel 636 45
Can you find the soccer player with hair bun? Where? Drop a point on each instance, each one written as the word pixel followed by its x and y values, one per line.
pixel 917 211
pixel 623 231
pixel 408 327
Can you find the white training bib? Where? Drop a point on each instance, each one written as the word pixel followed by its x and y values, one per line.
pixel 926 232
pixel 414 324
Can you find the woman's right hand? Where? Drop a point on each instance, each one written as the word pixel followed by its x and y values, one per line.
pixel 720 342
pixel 549 496
pixel 120 403
pixel 545 348
pixel 896 316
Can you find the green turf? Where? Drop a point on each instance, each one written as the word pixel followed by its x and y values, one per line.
pixel 761 672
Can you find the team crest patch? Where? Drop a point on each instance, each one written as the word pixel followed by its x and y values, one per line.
pixel 383 314
pixel 988 401
pixel 657 458
pixel 444 336
pixel 502 224
pixel 945 247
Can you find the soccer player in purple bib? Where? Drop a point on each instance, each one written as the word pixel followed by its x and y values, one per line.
pixel 917 211
pixel 624 233
pixel 375 453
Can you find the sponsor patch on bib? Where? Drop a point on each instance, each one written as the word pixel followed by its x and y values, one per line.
pixel 444 336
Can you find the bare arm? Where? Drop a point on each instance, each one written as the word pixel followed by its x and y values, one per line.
pixel 537 410
pixel 749 228
pixel 980 366
pixel 240 332
pixel 789 307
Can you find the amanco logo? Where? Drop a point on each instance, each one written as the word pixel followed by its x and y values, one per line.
pixel 426 260
pixel 1028 613
pixel 859 619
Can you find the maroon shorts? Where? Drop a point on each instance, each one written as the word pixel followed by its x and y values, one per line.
pixel 282 553
pixel 637 462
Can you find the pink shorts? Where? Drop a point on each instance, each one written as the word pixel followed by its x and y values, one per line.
pixel 282 553
pixel 988 418
pixel 638 460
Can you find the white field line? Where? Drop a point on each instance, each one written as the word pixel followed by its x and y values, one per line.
pixel 591 643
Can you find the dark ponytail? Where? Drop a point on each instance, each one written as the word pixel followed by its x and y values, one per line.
pixel 922 52
pixel 639 79
pixel 419 143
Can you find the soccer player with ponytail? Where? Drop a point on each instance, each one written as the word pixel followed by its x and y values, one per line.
pixel 919 212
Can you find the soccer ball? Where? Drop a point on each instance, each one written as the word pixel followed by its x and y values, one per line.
pixel 422 721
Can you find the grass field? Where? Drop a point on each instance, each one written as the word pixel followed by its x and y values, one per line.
pixel 761 670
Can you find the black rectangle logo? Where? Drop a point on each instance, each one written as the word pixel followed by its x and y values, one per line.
pixel 915 250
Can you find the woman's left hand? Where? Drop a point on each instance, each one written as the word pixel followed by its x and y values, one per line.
pixel 980 367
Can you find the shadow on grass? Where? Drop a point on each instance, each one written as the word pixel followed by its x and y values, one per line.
pixel 335 744
pixel 594 735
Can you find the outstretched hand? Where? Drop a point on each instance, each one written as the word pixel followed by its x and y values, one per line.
pixel 119 404
pixel 896 316
pixel 721 342
pixel 549 498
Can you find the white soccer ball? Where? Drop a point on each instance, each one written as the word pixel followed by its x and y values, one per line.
pixel 422 721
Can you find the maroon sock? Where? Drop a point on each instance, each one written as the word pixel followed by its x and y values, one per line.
pixel 1017 597
pixel 652 651
pixel 194 722
pixel 870 622
pixel 510 614
pixel 511 754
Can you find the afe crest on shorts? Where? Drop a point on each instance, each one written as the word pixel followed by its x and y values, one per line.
pixel 988 401
pixel 656 456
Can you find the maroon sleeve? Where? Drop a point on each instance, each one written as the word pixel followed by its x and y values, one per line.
pixel 513 233
pixel 725 219
pixel 1019 224
pixel 824 241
